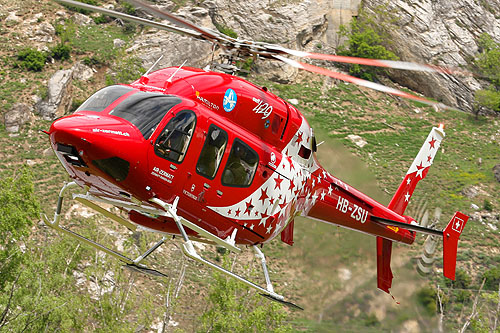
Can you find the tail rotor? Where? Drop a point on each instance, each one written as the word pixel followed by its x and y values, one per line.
pixel 426 261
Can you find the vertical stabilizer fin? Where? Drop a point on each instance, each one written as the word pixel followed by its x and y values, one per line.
pixel 384 272
pixel 418 170
pixel 451 234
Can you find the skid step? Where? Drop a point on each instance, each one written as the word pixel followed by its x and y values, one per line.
pixel 144 269
pixel 289 304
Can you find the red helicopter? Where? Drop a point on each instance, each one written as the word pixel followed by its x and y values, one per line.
pixel 212 157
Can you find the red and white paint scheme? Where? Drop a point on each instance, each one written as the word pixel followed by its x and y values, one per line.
pixel 212 157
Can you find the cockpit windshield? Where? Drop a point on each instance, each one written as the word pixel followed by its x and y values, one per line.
pixel 103 98
pixel 145 110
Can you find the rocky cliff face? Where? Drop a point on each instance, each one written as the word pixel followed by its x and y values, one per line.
pixel 444 33
pixel 296 24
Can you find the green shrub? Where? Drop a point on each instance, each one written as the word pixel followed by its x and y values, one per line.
pixel 81 10
pixel 462 280
pixel 101 19
pixel 126 71
pixel 492 277
pixel 487 205
pixel 128 8
pixel 226 30
pixel 31 59
pixel 66 31
pixel 365 39
pixel 60 51
pixel 427 297
pixel 488 64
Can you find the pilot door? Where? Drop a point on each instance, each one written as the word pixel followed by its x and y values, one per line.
pixel 167 154
pixel 203 184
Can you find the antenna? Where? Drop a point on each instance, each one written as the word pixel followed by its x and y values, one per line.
pixel 150 68
pixel 170 78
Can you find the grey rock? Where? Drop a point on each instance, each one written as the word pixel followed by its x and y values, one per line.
pixel 443 33
pixel 59 96
pixel 44 32
pixel 12 18
pixel 17 116
pixel 496 172
pixel 118 43
pixel 81 19
pixel 357 140
pixel 301 24
pixel 81 72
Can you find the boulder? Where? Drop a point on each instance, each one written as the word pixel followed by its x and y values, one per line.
pixel 59 96
pixel 81 72
pixel 17 116
pixel 357 140
pixel 496 172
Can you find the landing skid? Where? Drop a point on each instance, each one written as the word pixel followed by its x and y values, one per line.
pixel 188 249
pixel 169 210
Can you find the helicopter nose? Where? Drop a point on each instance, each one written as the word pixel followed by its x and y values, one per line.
pixel 68 140
pixel 100 144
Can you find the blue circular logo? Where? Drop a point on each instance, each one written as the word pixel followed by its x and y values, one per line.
pixel 230 99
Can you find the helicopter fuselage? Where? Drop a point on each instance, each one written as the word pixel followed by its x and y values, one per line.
pixel 237 156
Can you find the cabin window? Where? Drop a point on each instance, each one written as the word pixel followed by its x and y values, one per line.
pixel 304 152
pixel 212 152
pixel 104 98
pixel 172 144
pixel 145 110
pixel 276 123
pixel 241 165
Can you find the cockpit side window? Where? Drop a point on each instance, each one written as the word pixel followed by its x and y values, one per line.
pixel 241 165
pixel 104 98
pixel 212 152
pixel 173 142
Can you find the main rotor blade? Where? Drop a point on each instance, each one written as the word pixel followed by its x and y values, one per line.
pixel 176 20
pixel 361 82
pixel 134 19
pixel 405 65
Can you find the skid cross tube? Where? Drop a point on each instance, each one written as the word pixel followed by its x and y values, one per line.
pixel 171 210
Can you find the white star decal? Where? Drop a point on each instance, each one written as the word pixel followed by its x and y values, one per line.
pixel 330 189
pixel 263 221
pixel 279 225
pixel 269 229
pixel 251 227
pixel 323 195
pixel 408 181
pixel 314 197
pixel 407 197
